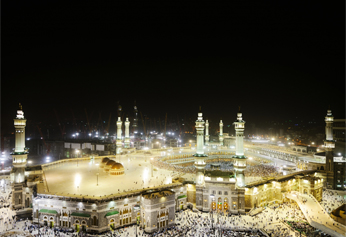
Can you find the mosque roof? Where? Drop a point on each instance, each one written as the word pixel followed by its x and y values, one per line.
pixel 111 213
pixel 48 211
pixel 80 214
pixel 324 154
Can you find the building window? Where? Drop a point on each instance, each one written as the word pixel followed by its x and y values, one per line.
pixel 226 193
pixel 220 192
pixel 214 192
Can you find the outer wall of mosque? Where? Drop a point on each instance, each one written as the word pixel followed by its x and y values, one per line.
pixel 152 210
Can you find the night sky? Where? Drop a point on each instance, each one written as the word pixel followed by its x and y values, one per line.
pixel 277 59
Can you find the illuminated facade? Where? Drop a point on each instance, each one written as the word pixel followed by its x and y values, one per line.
pixel 151 209
pixel 221 194
pixel 273 190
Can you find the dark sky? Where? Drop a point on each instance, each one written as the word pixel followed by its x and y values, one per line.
pixel 276 59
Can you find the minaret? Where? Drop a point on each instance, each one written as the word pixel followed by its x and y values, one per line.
pixel 127 133
pixel 221 133
pixel 207 133
pixel 239 158
pixel 135 120
pixel 20 154
pixel 119 140
pixel 200 132
pixel 199 161
pixel 329 145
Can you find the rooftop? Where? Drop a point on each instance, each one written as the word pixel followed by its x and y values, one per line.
pixel 158 194
pixel 80 178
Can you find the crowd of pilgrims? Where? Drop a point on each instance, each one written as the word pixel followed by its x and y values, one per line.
pixel 304 227
pixel 188 223
pixel 331 200
pixel 261 170
pixel 255 168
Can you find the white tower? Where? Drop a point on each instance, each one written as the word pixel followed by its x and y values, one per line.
pixel 20 154
pixel 119 140
pixel 221 133
pixel 200 133
pixel 240 159
pixel 127 133
pixel 199 161
pixel 207 133
pixel 329 145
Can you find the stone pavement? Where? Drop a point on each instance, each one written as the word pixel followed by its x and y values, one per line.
pixel 316 215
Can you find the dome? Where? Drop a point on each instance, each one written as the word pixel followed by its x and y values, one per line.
pixel 110 162
pixel 105 160
pixel 117 169
pixel 108 165
pixel 117 166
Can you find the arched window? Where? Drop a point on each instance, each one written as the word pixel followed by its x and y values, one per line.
pixel 95 220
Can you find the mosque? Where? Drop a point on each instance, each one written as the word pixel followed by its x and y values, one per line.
pixel 48 191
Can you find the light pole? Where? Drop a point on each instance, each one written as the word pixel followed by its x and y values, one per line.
pixel 77 151
pixel 152 170
pixel 97 174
